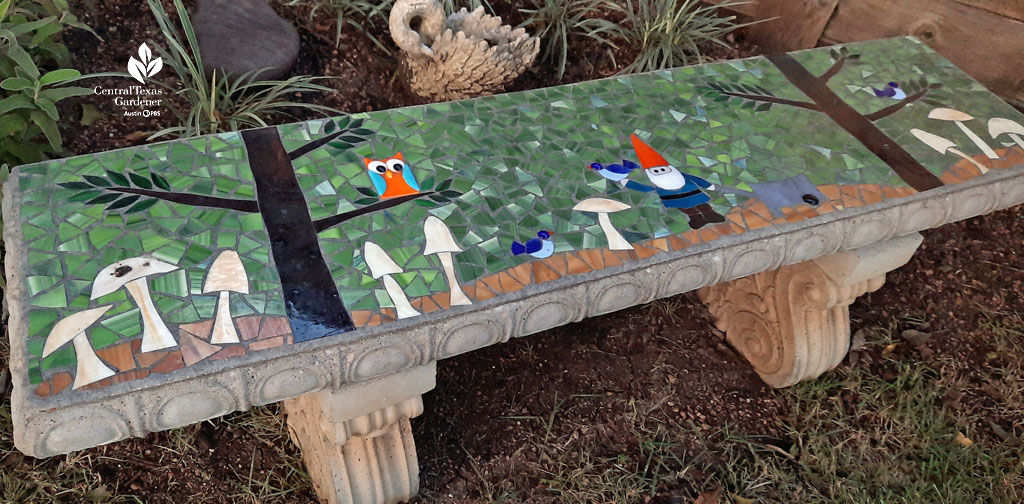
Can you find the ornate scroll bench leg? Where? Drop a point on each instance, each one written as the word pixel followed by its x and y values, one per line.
pixel 793 323
pixel 357 442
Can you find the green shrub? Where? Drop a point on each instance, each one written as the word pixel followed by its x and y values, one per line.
pixel 220 103
pixel 29 45
pixel 559 22
pixel 668 33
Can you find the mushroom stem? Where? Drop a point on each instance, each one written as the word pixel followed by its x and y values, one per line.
pixel 223 327
pixel 977 141
pixel 458 297
pixel 90 367
pixel 402 306
pixel 973 161
pixel 155 335
pixel 615 239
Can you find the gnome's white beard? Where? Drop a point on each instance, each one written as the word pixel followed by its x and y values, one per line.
pixel 665 177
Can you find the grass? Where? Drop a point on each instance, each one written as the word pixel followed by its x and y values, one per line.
pixel 854 436
pixel 669 33
pixel 220 103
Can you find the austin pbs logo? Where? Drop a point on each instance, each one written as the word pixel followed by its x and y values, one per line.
pixel 145 66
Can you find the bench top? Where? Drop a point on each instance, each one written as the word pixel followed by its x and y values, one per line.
pixel 160 285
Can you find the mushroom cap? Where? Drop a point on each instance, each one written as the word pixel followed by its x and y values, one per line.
pixel 227 274
pixel 932 140
pixel 600 205
pixel 71 326
pixel 439 237
pixel 948 114
pixel 114 276
pixel 1001 125
pixel 379 262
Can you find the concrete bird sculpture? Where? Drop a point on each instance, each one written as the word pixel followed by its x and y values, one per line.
pixel 464 55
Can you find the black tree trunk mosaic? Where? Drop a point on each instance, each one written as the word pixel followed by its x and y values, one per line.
pixel 861 126
pixel 311 299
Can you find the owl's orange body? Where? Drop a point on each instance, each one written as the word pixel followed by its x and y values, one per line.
pixel 395 183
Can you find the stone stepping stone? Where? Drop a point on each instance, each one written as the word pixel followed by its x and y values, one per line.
pixel 239 36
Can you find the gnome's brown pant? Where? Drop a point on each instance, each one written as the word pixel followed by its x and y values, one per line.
pixel 702 214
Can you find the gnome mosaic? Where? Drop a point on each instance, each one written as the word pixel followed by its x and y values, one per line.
pixel 675 188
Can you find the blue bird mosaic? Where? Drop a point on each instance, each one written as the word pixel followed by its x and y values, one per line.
pixel 540 247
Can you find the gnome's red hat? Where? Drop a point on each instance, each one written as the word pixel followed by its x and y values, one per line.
pixel 649 158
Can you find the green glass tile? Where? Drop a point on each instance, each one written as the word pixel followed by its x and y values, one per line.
pixel 35 376
pixel 383 299
pixel 205 305
pixel 62 357
pixel 77 244
pixel 251 222
pixel 227 239
pixel 40 322
pixel 101 337
pixel 257 301
pixel 417 288
pixel 187 314
pixel 127 323
pixel 246 244
pixel 438 284
pixel 55 298
pixel 171 253
pixel 239 307
pixel 174 283
pixel 275 305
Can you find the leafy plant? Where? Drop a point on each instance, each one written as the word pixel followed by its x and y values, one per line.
pixel 357 14
pixel 222 103
pixel 43 20
pixel 668 33
pixel 558 22
pixel 28 108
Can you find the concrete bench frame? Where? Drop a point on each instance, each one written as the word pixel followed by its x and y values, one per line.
pixel 781 293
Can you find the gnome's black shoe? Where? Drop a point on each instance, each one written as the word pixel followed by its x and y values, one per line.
pixel 709 214
pixel 695 218
pixel 714 217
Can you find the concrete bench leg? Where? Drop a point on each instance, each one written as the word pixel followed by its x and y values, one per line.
pixel 793 323
pixel 357 442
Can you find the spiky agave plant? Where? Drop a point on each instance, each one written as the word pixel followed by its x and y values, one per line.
pixel 222 103
pixel 559 22
pixel 668 33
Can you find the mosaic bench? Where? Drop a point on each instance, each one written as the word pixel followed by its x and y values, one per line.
pixel 330 264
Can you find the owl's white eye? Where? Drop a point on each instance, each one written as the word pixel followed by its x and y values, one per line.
pixel 378 167
pixel 396 165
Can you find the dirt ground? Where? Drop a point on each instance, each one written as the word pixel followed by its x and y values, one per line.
pixel 632 406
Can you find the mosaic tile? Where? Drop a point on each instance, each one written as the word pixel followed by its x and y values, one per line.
pixel 203 249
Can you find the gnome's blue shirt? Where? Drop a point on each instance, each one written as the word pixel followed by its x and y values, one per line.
pixel 688 196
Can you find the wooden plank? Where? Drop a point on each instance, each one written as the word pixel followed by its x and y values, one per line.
pixel 798 24
pixel 986 45
pixel 1013 9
